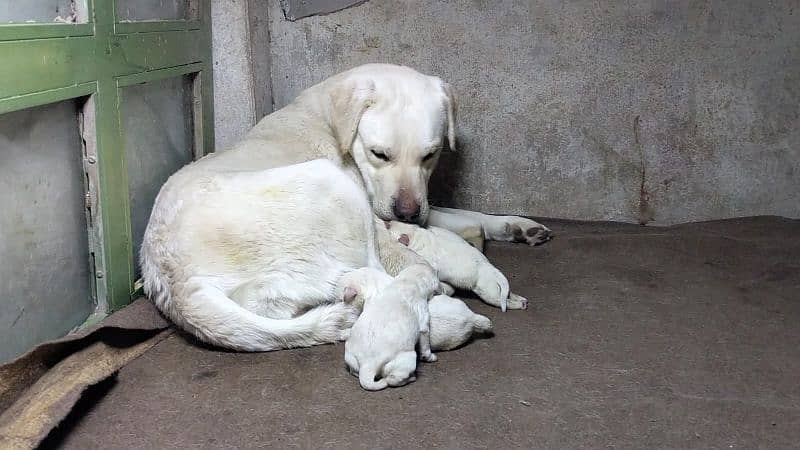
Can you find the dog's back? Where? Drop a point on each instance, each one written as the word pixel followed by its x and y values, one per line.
pixel 257 222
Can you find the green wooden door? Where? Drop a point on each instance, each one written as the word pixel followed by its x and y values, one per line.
pixel 141 76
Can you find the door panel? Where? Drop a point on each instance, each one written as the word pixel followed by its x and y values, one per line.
pixel 42 11
pixel 158 135
pixel 141 10
pixel 45 280
pixel 103 102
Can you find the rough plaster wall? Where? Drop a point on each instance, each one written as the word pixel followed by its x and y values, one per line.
pixel 652 111
pixel 234 103
pixel 297 9
pixel 260 57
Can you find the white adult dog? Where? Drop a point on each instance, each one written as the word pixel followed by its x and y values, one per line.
pixel 203 254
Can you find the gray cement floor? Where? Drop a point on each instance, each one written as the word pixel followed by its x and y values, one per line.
pixel 681 337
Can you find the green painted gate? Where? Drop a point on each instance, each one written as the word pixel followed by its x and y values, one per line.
pixel 93 59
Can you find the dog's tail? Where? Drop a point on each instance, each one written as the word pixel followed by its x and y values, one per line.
pixel 481 324
pixel 366 377
pixel 205 311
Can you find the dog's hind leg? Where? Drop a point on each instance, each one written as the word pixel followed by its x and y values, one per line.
pixel 278 296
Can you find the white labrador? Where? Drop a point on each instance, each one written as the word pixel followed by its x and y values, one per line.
pixel 204 252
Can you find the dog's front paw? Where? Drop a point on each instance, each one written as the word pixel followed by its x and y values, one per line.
pixel 520 229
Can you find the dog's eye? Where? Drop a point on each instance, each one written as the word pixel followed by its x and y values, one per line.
pixel 429 156
pixel 380 155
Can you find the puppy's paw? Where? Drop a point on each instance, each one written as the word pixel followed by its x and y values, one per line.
pixel 520 229
pixel 344 334
pixel 517 301
pixel 445 289
pixel 429 357
pixel 492 286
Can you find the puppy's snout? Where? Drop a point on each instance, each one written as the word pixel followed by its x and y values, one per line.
pixel 406 208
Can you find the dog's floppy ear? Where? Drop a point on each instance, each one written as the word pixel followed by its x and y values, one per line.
pixel 349 99
pixel 450 106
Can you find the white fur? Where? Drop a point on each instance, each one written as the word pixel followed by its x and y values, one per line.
pixel 247 256
pixel 356 286
pixel 382 342
pixel 451 321
pixel 239 243
pixel 476 227
pixel 464 266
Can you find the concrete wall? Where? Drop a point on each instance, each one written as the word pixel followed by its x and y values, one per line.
pixel 242 92
pixel 641 111
pixel 234 108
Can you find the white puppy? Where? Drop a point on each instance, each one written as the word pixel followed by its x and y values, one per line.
pixel 356 286
pixel 452 323
pixel 467 267
pixel 380 348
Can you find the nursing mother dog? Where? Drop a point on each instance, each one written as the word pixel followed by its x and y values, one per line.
pixel 256 270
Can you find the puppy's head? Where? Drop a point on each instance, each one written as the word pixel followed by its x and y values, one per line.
pixel 400 133
pixel 358 286
pixel 420 278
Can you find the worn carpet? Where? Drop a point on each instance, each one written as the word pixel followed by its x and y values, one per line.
pixel 637 337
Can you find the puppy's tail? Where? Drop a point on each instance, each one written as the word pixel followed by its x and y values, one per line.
pixel 481 324
pixel 366 377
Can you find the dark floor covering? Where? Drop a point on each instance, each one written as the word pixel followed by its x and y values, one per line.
pixel 638 337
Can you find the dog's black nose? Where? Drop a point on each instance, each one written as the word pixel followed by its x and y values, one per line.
pixel 406 211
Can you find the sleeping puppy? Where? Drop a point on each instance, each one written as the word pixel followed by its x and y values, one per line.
pixel 452 323
pixel 380 348
pixel 468 267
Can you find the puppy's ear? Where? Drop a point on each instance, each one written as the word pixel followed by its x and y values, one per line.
pixel 450 107
pixel 349 294
pixel 349 99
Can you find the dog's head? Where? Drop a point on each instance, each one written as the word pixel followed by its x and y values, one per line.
pixel 394 122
